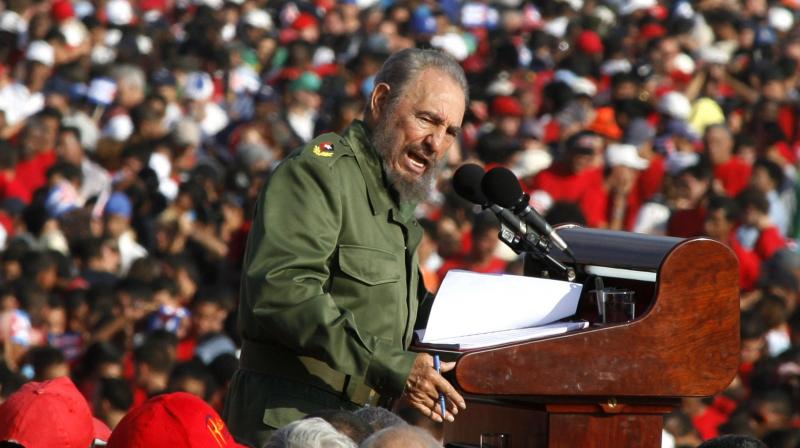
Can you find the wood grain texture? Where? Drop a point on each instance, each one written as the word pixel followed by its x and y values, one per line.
pixel 686 344
pixel 604 431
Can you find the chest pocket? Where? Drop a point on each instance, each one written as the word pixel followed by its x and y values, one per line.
pixel 369 265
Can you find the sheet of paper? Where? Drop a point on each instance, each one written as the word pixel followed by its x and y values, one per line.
pixel 469 303
pixel 508 336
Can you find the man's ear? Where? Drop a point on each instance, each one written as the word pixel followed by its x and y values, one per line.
pixel 379 99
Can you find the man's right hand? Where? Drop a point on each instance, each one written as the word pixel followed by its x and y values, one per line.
pixel 424 385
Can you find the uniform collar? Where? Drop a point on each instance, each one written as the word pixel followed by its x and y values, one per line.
pixel 357 136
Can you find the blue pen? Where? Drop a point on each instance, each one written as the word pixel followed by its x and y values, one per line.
pixel 438 366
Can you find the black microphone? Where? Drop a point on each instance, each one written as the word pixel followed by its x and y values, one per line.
pixel 467 183
pixel 501 187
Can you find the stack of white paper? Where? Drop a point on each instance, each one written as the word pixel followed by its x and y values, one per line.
pixel 474 310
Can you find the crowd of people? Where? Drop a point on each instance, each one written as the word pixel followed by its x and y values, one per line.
pixel 135 137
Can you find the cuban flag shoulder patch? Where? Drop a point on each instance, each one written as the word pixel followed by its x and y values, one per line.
pixel 324 149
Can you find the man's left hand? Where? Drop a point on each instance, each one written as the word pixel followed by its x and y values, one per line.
pixel 424 385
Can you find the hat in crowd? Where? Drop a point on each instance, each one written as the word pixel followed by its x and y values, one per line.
pixel 304 20
pixel 621 154
pixel 676 105
pixel 506 106
pixel 118 128
pixel 62 10
pixel 199 86
pixel 308 81
pixel 605 124
pixel 781 19
pixel 258 18
pixel 423 21
pixel 589 42
pixel 13 23
pixel 102 91
pixel 119 12
pixel 452 44
pixel 176 420
pixel 632 6
pixel 584 142
pixel 50 414
pixel 42 52
pixel 678 161
pixel 119 204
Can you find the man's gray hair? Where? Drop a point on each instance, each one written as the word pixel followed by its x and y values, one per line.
pixel 379 418
pixel 403 67
pixel 405 436
pixel 309 433
pixel 129 74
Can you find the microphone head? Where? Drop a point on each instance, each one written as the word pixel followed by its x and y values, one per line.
pixel 467 183
pixel 502 187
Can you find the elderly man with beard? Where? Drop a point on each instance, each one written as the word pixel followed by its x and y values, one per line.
pixel 331 285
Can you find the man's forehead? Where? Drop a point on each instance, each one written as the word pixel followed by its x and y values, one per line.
pixel 437 92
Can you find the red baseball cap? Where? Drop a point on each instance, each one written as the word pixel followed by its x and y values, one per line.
pixel 304 20
pixel 506 106
pixel 49 414
pixel 589 42
pixel 176 420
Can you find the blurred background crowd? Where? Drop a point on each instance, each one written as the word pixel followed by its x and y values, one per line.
pixel 136 134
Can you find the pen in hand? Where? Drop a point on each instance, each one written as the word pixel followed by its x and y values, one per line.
pixel 438 366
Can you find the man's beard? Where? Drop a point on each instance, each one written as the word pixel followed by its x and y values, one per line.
pixel 408 190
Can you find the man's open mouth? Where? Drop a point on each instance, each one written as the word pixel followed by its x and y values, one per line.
pixel 417 163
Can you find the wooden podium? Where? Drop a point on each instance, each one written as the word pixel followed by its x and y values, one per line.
pixel 610 385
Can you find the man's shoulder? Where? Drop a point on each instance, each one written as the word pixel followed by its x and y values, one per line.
pixel 324 150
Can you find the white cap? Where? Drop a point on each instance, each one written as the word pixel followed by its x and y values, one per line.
pixel 119 128
pixel 258 18
pixel 631 6
pixel 622 154
pixel 583 86
pixel 119 12
pixel 780 19
pixel 41 51
pixel 556 27
pixel 714 55
pixel 102 91
pixel 452 44
pixel 677 161
pixel 683 63
pixel 323 56
pixel 161 165
pixel 199 86
pixel 12 22
pixel 676 105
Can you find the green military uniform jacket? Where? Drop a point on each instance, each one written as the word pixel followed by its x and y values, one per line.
pixel 331 271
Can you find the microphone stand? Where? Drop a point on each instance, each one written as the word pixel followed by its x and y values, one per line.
pixel 535 245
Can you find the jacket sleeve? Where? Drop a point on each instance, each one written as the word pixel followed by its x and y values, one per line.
pixel 287 270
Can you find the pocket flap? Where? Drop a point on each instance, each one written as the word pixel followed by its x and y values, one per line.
pixel 368 265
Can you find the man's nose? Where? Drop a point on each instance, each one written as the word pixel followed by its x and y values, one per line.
pixel 436 141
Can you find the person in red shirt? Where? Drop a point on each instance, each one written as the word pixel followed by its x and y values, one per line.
pixel 721 220
pixel 38 150
pixel 755 215
pixel 693 187
pixel 481 257
pixel 577 178
pixel 731 173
